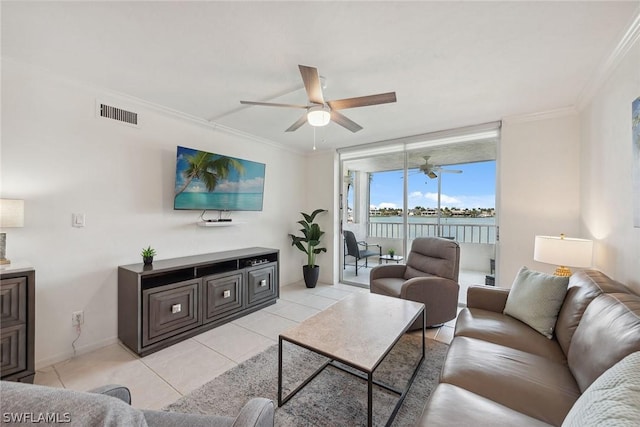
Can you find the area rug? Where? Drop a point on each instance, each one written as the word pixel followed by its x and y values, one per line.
pixel 333 398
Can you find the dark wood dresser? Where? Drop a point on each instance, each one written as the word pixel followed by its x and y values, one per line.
pixel 175 299
pixel 17 323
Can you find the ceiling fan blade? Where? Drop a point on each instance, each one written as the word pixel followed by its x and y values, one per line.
pixel 311 80
pixel 302 120
pixel 271 104
pixel 362 101
pixel 345 121
pixel 432 174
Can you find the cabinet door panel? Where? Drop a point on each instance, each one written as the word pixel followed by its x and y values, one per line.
pixel 169 310
pixel 13 346
pixel 13 301
pixel 262 283
pixel 223 295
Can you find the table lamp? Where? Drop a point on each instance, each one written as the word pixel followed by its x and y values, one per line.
pixel 11 215
pixel 563 251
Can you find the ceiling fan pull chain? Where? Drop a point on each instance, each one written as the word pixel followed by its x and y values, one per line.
pixel 314 138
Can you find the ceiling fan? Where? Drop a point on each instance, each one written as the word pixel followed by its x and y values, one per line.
pixel 320 112
pixel 430 170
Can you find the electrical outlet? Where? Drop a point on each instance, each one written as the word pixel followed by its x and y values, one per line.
pixel 77 318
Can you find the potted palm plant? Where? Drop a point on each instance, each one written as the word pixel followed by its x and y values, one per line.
pixel 308 243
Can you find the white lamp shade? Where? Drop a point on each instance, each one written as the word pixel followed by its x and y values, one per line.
pixel 318 116
pixel 564 251
pixel 11 213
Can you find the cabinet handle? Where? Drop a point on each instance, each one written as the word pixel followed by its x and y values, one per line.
pixel 263 283
pixel 226 293
pixel 176 308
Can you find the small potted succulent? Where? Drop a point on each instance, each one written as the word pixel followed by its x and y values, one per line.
pixel 391 252
pixel 147 255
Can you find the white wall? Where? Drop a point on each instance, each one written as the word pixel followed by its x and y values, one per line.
pixel 320 191
pixel 477 256
pixel 539 187
pixel 605 178
pixel 61 159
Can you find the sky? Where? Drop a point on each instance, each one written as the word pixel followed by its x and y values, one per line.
pixel 475 187
pixel 251 181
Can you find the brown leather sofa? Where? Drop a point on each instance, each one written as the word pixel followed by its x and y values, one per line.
pixel 501 372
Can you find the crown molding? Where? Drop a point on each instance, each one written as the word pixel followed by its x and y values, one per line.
pixel 198 120
pixel 542 115
pixel 255 138
pixel 603 72
pixel 129 100
pixel 318 152
pixel 203 122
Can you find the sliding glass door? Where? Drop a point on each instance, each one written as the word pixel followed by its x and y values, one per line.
pixel 443 186
pixel 374 213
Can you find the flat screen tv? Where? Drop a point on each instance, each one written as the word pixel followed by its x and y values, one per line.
pixel 209 181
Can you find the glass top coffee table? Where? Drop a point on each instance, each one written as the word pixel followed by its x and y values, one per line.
pixel 387 258
pixel 358 331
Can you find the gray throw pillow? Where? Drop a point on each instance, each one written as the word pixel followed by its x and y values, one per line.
pixel 535 299
pixel 612 399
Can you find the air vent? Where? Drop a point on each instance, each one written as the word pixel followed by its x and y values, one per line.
pixel 118 114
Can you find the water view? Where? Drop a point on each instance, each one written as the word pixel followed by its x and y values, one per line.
pixel 220 201
pixel 462 229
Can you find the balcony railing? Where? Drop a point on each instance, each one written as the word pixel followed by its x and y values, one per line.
pixel 464 233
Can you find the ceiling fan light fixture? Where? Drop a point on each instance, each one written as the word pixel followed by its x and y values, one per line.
pixel 319 116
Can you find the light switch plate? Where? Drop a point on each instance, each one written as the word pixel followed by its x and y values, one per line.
pixel 77 220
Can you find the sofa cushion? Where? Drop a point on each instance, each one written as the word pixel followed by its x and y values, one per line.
pixel 612 399
pixel 82 409
pixel 535 298
pixel 501 329
pixel 584 286
pixel 609 331
pixel 470 408
pixel 536 386
pixel 389 286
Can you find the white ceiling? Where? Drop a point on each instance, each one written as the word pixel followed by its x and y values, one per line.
pixel 451 63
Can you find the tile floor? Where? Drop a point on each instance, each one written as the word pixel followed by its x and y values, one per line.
pixel 163 377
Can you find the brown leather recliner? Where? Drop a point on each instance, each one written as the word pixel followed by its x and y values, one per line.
pixel 430 276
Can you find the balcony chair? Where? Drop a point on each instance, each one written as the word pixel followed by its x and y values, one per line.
pixel 352 248
pixel 430 276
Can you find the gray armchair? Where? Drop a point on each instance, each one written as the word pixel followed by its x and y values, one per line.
pixel 352 248
pixel 110 406
pixel 430 276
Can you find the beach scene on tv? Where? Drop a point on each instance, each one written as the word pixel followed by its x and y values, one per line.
pixel 209 181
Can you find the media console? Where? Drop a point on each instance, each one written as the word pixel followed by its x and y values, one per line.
pixel 175 299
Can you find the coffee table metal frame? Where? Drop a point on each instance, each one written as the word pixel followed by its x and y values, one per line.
pixel 363 374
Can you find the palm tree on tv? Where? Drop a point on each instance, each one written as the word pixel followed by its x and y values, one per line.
pixel 209 170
